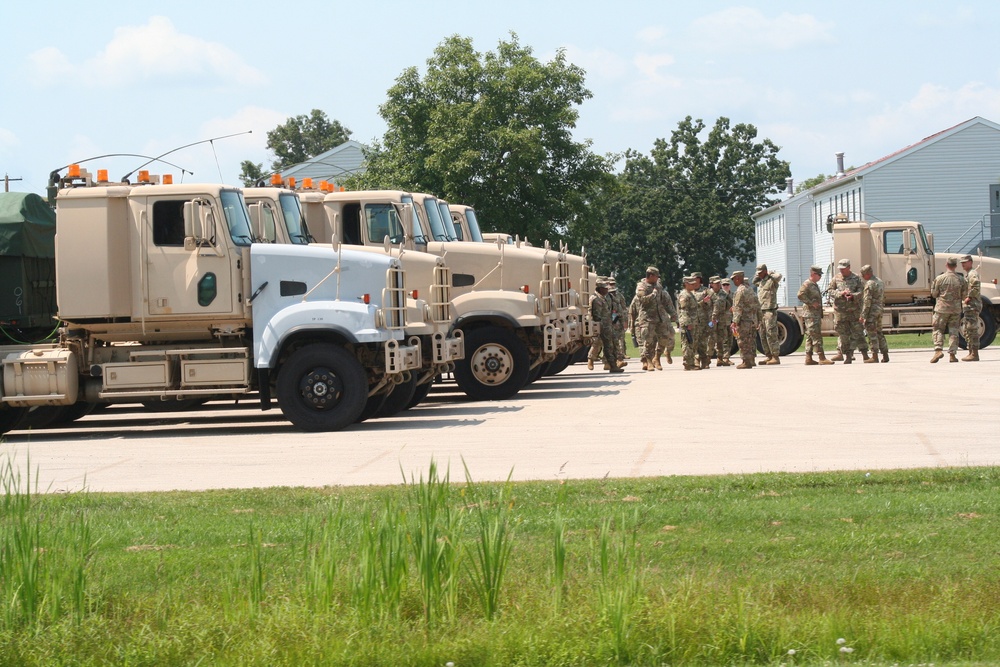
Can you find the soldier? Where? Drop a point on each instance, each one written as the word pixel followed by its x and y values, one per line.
pixel 972 305
pixel 847 290
pixel 745 313
pixel 600 310
pixel 767 293
pixel 688 315
pixel 872 305
pixel 722 315
pixel 704 339
pixel 812 316
pixel 649 316
pixel 619 319
pixel 950 290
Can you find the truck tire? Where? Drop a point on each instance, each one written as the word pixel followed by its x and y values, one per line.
pixel 322 387
pixel 399 398
pixel 789 336
pixel 537 372
pixel 9 417
pixel 372 407
pixel 495 366
pixel 559 364
pixel 420 393
pixel 987 327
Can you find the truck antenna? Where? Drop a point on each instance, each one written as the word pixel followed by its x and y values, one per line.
pixel 124 178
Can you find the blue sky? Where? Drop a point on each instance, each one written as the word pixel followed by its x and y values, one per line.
pixel 865 78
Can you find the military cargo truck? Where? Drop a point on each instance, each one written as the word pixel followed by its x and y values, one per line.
pixel 902 254
pixel 164 295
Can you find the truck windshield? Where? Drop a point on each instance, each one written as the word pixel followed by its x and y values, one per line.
pixel 446 216
pixel 419 236
pixel 474 231
pixel 438 230
pixel 237 218
pixel 296 226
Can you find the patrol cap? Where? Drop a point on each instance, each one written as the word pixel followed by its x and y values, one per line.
pixel 844 264
pixel 965 258
pixel 737 273
pixel 761 267
pixel 727 281
pixel 816 269
pixel 690 279
pixel 601 284
pixel 952 261
pixel 867 268
pixel 652 269
pixel 715 279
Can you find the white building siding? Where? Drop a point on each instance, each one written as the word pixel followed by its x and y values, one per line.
pixel 849 198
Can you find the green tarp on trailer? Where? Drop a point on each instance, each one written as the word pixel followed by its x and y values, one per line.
pixel 27 267
pixel 27 226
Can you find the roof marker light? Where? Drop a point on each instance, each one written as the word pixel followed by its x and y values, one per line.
pixel 276 180
pixel 74 171
pixel 102 175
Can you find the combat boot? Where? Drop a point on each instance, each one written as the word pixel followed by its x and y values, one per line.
pixel 645 365
pixel 720 362
pixel 837 357
pixel 885 357
pixel 705 363
pixel 656 364
pixel 864 354
pixel 952 358
pixel 773 361
pixel 622 364
pixel 873 360
pixel 670 359
pixel 607 366
pixel 973 355
pixel 590 364
pixel 849 358
pixel 744 365
pixel 938 356
pixel 823 361
pixel 809 360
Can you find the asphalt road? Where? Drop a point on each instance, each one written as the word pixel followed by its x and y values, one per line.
pixel 579 424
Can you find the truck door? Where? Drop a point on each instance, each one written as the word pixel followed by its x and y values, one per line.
pixel 906 265
pixel 181 279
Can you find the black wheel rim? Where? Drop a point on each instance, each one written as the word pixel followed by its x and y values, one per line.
pixel 321 389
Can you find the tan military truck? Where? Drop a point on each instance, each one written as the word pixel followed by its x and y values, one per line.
pixel 572 293
pixel 163 295
pixel 502 297
pixel 902 255
pixel 277 213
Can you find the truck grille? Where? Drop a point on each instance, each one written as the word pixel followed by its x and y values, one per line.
pixel 440 296
pixel 394 298
pixel 545 289
pixel 585 286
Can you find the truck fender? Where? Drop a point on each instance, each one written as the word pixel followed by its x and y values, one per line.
pixel 351 322
pixel 516 308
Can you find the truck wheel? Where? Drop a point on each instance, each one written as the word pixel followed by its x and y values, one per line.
pixel 789 336
pixel 322 387
pixel 987 328
pixel 538 371
pixel 399 398
pixel 420 393
pixel 495 366
pixel 558 364
pixel 9 417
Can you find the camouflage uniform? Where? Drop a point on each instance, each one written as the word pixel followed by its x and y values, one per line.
pixel 619 319
pixel 704 340
pixel 665 331
pixel 949 289
pixel 767 294
pixel 688 314
pixel 600 310
pixel 745 313
pixel 847 311
pixel 649 317
pixel 970 312
pixel 872 307
pixel 812 317
pixel 722 304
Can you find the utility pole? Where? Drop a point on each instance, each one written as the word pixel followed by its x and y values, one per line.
pixel 6 182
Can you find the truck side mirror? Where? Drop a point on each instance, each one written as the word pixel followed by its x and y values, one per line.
pixel 930 241
pixel 194 230
pixel 256 222
pixel 907 242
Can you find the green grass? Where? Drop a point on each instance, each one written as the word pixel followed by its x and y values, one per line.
pixel 903 566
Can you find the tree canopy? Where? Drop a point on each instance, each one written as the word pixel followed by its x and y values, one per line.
pixel 296 140
pixel 686 206
pixel 492 130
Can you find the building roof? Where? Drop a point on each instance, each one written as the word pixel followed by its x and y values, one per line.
pixel 332 165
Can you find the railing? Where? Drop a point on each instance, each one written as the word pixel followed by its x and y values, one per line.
pixel 971 237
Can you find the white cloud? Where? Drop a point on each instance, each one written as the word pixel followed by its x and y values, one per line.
pixel 154 51
pixel 650 64
pixel 601 63
pixel 651 35
pixel 934 108
pixel 7 139
pixel 748 29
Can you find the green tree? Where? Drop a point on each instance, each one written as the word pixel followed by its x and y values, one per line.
pixel 302 137
pixel 687 205
pixel 492 130
pixel 251 172
pixel 816 180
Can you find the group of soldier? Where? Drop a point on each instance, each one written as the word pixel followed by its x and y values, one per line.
pixel 710 316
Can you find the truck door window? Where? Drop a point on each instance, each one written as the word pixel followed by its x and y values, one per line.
pixel 168 223
pixel 892 243
pixel 237 218
pixel 351 224
pixel 474 231
pixel 382 222
pixel 297 231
